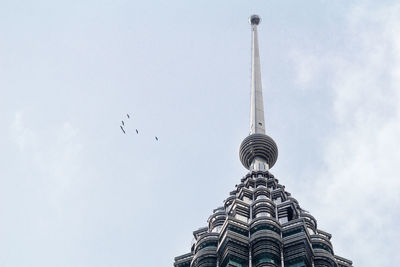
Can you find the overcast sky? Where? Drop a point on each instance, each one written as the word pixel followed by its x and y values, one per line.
pixel 76 191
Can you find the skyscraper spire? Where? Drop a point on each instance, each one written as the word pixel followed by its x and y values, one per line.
pixel 260 223
pixel 258 151
pixel 257 123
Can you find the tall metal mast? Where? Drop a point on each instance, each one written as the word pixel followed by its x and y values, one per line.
pixel 258 151
pixel 257 123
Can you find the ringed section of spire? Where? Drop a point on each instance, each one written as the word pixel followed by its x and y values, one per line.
pixel 258 149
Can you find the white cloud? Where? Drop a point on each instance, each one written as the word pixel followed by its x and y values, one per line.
pixel 22 134
pixel 308 66
pixel 358 192
pixel 53 150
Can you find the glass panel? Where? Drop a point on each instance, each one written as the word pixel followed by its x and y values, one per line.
pixel 241 217
pixel 260 214
pixel 292 232
pixel 283 220
pixel 217 229
pixel 310 231
pixel 247 200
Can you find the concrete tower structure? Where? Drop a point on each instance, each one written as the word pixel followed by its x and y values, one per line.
pixel 260 224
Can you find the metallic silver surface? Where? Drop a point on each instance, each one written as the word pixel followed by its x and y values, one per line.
pixel 257 123
pixel 254 19
pixel 258 151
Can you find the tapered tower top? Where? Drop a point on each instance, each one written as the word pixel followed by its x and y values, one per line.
pixel 257 123
pixel 258 151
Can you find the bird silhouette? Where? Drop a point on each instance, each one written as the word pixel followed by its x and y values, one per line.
pixel 137 132
pixel 123 123
pixel 128 115
pixel 156 138
pixel 122 128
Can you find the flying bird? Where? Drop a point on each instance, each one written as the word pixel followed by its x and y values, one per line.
pixel 122 128
pixel 137 131
pixel 156 138
pixel 128 115
pixel 123 123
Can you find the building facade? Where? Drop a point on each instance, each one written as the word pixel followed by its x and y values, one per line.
pixel 260 224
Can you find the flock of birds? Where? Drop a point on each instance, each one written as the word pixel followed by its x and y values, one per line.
pixel 123 125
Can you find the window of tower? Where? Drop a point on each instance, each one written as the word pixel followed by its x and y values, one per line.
pixel 241 218
pixel 278 200
pixel 262 186
pixel 247 200
pixel 233 261
pixel 290 214
pixel 217 229
pixel 283 220
pixel 322 246
pixel 292 232
pixel 310 231
pixel 266 257
pixel 238 230
pixel 295 263
pixel 263 214
pixel 207 244
pixel 265 226
pixel 262 197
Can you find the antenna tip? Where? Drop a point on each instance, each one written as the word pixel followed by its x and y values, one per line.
pixel 254 20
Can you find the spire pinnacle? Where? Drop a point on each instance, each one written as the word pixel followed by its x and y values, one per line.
pixel 258 151
pixel 257 123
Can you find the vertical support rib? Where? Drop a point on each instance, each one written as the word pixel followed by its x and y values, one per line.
pixel 257 123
